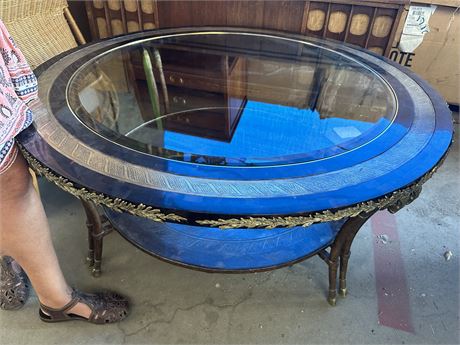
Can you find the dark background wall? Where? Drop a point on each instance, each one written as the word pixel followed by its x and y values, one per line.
pixel 77 7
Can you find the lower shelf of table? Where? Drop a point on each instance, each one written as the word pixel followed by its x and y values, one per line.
pixel 224 250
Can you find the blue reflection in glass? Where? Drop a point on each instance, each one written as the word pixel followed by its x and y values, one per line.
pixel 266 131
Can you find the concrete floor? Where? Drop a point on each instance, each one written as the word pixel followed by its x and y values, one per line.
pixel 174 305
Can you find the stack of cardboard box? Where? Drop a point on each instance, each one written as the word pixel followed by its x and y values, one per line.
pixel 435 53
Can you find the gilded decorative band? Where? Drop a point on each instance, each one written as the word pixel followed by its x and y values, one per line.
pixel 393 202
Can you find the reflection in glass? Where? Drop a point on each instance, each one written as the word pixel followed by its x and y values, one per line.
pixel 231 99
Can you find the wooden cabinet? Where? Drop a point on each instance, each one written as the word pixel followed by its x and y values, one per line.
pixel 368 24
pixel 206 93
pixel 191 76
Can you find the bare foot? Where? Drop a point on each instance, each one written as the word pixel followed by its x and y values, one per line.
pixel 79 309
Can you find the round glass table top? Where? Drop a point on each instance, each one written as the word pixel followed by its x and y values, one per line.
pixel 231 99
pixel 222 126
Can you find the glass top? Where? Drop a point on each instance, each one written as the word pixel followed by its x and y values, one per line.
pixel 231 99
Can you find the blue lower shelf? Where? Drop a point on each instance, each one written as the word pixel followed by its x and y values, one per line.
pixel 223 250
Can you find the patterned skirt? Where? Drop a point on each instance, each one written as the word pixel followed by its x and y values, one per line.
pixel 18 87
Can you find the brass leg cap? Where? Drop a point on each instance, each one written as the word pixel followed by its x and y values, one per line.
pixel 96 273
pixel 332 301
pixel 343 292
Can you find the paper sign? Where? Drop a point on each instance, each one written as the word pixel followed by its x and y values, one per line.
pixel 415 27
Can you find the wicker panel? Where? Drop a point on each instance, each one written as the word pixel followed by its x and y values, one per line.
pixel 38 27
pixel 12 9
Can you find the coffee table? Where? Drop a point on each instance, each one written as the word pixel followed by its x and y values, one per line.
pixel 234 150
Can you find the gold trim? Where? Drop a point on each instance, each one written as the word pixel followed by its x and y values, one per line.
pixel 395 198
pixel 393 202
pixel 116 204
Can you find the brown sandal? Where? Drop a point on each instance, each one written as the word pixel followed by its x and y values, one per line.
pixel 106 307
pixel 14 289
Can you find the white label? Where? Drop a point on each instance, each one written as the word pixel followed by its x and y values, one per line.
pixel 415 27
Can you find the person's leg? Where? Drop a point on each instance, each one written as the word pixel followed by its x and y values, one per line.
pixel 25 236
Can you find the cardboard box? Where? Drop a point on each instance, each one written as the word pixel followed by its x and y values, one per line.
pixel 437 58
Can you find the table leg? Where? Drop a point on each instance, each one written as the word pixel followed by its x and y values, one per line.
pixel 332 262
pixel 343 273
pixel 353 225
pixel 332 293
pixel 95 236
pixel 340 253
